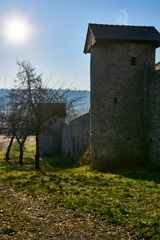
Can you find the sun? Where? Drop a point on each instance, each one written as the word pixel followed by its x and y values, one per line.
pixel 17 30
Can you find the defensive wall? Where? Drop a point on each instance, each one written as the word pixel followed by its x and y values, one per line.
pixel 76 136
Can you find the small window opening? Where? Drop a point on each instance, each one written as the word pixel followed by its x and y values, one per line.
pixel 133 60
pixel 115 100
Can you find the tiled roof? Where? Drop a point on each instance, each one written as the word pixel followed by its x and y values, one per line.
pixel 103 33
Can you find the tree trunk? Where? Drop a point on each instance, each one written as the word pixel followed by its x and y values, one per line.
pixel 21 154
pixel 9 148
pixel 21 148
pixel 37 155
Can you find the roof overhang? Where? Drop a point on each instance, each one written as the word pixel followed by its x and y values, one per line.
pixel 98 34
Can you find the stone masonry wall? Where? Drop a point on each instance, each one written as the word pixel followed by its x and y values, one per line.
pixel 52 117
pixel 50 137
pixel 154 116
pixel 76 136
pixel 119 102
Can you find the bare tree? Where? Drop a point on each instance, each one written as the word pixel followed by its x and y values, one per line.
pixel 35 94
pixel 24 115
pixel 14 122
pixel 7 127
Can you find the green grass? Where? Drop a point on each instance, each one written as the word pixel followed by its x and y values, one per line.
pixel 127 199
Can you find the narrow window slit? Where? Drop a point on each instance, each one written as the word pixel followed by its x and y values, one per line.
pixel 133 60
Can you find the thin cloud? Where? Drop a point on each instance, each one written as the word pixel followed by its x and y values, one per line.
pixel 123 18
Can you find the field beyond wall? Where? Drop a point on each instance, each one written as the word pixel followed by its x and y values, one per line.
pixel 65 202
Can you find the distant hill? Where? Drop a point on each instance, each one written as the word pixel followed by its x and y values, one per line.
pixel 3 94
pixel 82 106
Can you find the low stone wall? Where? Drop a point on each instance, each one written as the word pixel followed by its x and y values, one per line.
pixel 76 136
pixel 53 116
pixel 50 137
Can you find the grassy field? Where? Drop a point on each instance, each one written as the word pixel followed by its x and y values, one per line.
pixel 62 202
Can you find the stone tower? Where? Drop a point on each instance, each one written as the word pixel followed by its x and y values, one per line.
pixel 122 63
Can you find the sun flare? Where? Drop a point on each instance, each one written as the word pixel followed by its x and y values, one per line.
pixel 17 30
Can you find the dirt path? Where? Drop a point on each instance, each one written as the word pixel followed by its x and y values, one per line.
pixel 23 218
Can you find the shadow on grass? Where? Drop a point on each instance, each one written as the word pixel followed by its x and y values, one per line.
pixel 60 161
pixel 47 164
pixel 13 164
pixel 138 170
pixel 146 174
pixel 138 173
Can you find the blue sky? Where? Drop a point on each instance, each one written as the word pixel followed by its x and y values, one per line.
pixel 60 26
